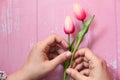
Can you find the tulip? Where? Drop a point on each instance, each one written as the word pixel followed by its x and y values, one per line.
pixel 69 26
pixel 79 12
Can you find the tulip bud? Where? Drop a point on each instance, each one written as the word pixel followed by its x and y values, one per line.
pixel 79 12
pixel 69 26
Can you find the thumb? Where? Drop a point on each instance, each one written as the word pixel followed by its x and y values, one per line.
pixel 75 74
pixel 60 58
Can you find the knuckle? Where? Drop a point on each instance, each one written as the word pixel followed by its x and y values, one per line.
pixel 54 35
pixel 64 57
pixel 102 61
pixel 34 46
pixel 72 73
pixel 37 45
pixel 87 49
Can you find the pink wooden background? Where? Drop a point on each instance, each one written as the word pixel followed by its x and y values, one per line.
pixel 24 22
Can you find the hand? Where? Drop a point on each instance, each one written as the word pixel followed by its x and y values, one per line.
pixel 87 66
pixel 43 58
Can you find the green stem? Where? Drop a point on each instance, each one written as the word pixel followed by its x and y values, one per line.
pixel 67 62
pixel 81 35
pixel 69 40
pixel 74 51
pixel 80 38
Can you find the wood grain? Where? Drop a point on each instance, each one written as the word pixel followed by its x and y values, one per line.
pixel 24 22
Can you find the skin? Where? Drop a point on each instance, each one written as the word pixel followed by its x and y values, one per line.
pixel 43 58
pixel 47 54
pixel 87 66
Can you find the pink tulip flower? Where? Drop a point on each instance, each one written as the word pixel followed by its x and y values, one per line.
pixel 69 26
pixel 79 12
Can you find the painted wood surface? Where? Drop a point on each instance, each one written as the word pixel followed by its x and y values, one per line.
pixel 118 35
pixel 24 22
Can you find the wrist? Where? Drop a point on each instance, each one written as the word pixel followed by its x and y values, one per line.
pixel 19 75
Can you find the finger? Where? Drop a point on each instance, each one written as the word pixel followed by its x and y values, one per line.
pixel 79 67
pixel 85 72
pixel 79 60
pixel 74 64
pixel 55 52
pixel 57 49
pixel 52 56
pixel 53 49
pixel 85 59
pixel 76 55
pixel 88 54
pixel 60 59
pixel 86 65
pixel 55 39
pixel 75 74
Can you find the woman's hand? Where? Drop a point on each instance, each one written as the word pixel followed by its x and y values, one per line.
pixel 87 66
pixel 43 58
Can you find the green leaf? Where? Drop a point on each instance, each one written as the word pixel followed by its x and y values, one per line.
pixel 72 44
pixel 89 21
pixel 67 63
pixel 81 35
pixel 85 28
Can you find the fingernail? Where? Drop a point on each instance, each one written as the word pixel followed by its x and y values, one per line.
pixel 68 71
pixel 68 54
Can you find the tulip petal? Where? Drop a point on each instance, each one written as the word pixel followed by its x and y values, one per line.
pixel 69 26
pixel 79 12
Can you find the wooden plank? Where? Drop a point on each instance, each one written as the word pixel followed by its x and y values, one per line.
pixel 3 35
pixel 118 35
pixel 51 15
pixel 18 29
pixel 102 35
pixel 20 21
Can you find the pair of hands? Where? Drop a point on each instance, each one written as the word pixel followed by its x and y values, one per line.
pixel 49 53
